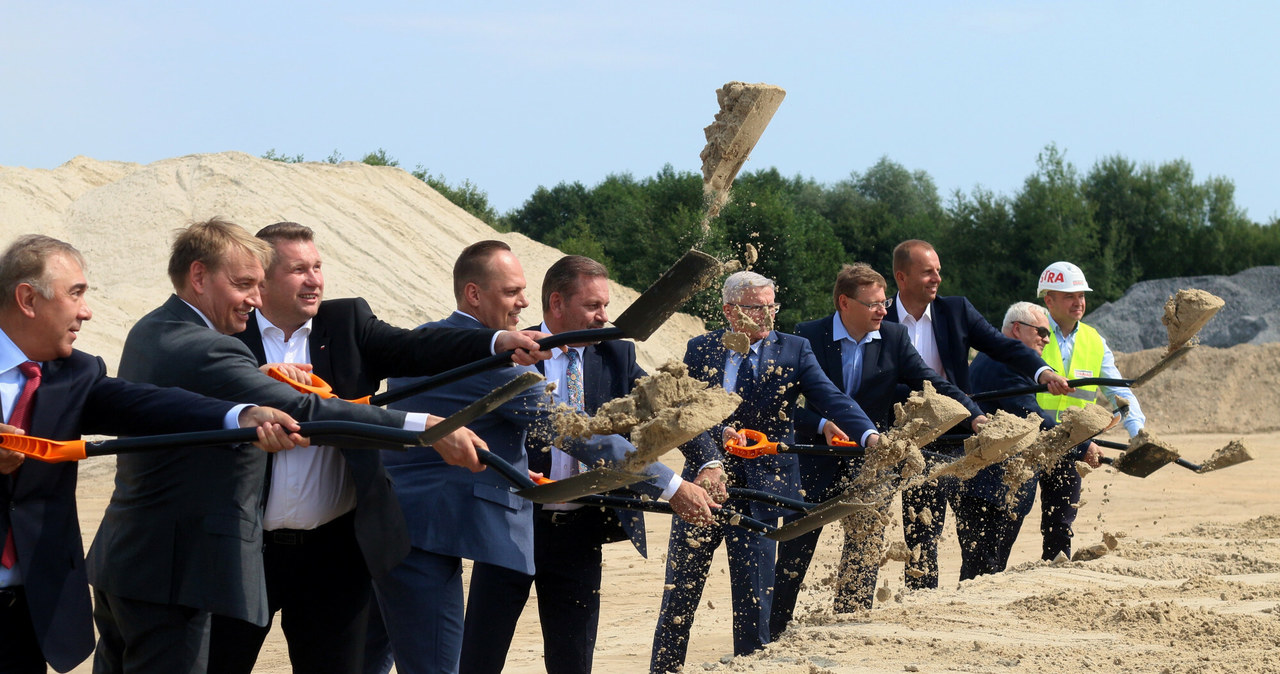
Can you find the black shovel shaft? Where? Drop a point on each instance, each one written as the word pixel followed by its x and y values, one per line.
pixel 1118 445
pixel 1041 388
pixel 523 481
pixel 825 450
pixel 346 434
pixel 770 499
pixel 492 362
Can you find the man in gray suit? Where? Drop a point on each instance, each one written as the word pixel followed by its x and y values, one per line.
pixel 182 536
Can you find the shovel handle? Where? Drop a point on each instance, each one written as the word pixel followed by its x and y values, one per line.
pixel 317 386
pixel 492 362
pixel 1041 388
pixel 760 445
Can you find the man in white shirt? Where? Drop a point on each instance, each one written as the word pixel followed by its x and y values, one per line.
pixel 943 329
pixel 331 519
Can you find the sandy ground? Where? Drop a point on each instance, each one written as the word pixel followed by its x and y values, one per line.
pixel 1194 587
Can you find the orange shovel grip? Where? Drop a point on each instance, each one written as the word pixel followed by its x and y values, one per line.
pixel 49 451
pixel 759 447
pixel 317 386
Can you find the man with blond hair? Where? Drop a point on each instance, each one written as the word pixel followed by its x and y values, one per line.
pixel 182 536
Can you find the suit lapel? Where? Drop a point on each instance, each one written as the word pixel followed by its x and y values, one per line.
pixel 55 383
pixel 942 321
pixel 871 366
pixel 830 354
pixel 318 343
pixel 595 384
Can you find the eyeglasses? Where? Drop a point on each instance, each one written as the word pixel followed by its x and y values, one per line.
pixel 885 304
pixel 772 308
pixel 1042 331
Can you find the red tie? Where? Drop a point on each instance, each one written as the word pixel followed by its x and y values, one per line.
pixel 21 418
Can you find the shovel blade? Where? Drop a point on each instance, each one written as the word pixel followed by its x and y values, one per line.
pixel 583 484
pixel 820 516
pixel 692 273
pixel 1144 459
pixel 1232 454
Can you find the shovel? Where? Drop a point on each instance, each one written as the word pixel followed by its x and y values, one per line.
pixel 348 434
pixel 761 446
pixel 1149 457
pixel 693 272
pixel 1160 366
pixel 524 486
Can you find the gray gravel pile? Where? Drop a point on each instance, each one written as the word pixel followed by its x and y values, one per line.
pixel 1251 315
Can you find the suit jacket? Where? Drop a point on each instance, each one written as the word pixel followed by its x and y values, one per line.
pixel 958 327
pixel 889 365
pixel 76 397
pixel 454 512
pixel 988 484
pixel 610 370
pixel 185 528
pixel 354 351
pixel 787 370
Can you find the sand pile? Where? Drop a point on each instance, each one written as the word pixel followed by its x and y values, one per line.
pixel 1210 390
pixel 1251 314
pixel 384 235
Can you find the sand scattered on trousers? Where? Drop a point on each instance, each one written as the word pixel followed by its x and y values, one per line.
pixel 663 410
pixel 1186 312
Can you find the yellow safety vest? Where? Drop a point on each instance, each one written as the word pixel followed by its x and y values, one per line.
pixel 1086 361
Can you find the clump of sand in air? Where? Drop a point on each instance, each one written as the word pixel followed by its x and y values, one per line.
pixel 745 111
pixel 1186 312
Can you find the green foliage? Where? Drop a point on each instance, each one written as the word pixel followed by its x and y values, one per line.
pixel 467 196
pixel 288 159
pixel 379 158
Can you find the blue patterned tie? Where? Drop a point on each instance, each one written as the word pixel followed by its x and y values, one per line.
pixel 573 387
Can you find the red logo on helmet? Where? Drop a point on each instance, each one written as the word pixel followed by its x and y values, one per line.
pixel 1051 276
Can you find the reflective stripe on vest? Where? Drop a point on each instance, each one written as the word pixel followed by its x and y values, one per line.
pixel 1086 361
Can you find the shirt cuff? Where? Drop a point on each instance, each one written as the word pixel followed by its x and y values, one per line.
pixel 672 487
pixel 822 423
pixel 867 435
pixel 232 420
pixel 1036 378
pixel 493 343
pixel 415 421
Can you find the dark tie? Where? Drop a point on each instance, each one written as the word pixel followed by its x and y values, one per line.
pixel 746 384
pixel 21 418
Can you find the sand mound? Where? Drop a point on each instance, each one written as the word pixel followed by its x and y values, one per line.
pixel 1210 390
pixel 384 235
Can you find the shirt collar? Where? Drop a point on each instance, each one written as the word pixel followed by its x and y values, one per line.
pixel 10 355
pixel 469 317
pixel 562 352
pixel 903 316
pixel 199 313
pixel 267 327
pixel 839 332
pixel 1058 328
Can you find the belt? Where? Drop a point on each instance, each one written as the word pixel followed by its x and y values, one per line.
pixel 327 530
pixel 561 516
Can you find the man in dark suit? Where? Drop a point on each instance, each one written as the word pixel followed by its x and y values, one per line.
pixel 454 514
pixel 331 518
pixel 774 372
pixel 567 539
pixel 943 329
pixel 50 390
pixel 182 536
pixel 987 520
pixel 870 361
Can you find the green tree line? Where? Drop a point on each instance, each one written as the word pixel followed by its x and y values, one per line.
pixel 1121 222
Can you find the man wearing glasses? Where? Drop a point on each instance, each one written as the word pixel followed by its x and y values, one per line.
pixel 868 359
pixel 769 375
pixel 987 522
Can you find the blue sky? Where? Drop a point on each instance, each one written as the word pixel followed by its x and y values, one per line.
pixel 514 95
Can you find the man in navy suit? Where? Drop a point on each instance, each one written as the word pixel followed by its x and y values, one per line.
pixel 987 521
pixel 872 361
pixel 331 520
pixel 567 539
pixel 943 329
pixel 774 372
pixel 45 615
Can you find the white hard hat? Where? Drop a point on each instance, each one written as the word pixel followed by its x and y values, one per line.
pixel 1062 276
